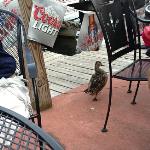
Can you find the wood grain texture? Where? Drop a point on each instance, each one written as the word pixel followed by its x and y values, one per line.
pixel 42 81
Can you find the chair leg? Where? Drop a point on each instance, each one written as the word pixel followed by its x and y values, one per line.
pixel 129 88
pixel 133 101
pixel 104 129
pixel 37 105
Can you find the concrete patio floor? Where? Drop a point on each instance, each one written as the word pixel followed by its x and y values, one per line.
pixel 75 120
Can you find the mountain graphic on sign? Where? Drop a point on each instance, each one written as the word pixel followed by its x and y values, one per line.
pixel 50 10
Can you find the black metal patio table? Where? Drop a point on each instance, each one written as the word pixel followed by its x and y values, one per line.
pixel 19 133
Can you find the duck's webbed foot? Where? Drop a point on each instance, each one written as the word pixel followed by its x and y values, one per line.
pixel 86 91
pixel 95 99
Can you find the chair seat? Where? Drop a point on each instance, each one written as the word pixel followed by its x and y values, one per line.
pixel 136 71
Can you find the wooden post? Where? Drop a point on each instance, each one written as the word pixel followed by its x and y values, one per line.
pixel 42 81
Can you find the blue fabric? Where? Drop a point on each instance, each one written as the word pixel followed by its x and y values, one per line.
pixel 7 63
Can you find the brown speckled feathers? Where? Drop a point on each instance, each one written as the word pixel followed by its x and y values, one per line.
pixel 98 80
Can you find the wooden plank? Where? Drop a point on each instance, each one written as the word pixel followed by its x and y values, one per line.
pixel 84 61
pixel 78 64
pixel 54 93
pixel 68 65
pixel 49 56
pixel 64 79
pixel 61 82
pixel 42 81
pixel 70 71
pixel 70 78
pixel 59 88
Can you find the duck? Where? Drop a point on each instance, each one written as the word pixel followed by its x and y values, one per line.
pixel 97 81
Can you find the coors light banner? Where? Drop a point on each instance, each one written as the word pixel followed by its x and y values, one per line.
pixel 45 21
pixel 91 36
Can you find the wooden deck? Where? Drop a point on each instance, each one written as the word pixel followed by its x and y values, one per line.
pixel 68 72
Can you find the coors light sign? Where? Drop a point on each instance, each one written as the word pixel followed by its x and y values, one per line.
pixel 45 22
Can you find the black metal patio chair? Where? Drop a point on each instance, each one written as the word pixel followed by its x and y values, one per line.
pixel 14 41
pixel 19 133
pixel 144 7
pixel 121 37
pixel 139 6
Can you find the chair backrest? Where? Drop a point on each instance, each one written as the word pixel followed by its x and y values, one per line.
pixel 13 38
pixel 14 41
pixel 137 4
pixel 120 33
